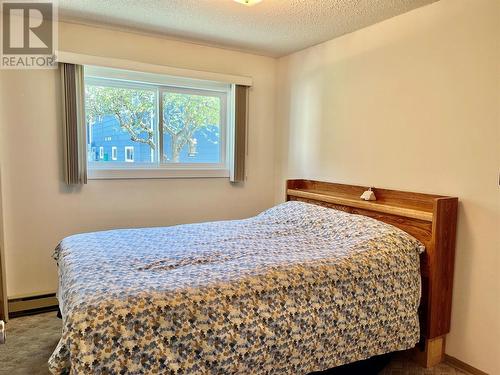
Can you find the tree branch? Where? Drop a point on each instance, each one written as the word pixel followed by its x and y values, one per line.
pixel 133 134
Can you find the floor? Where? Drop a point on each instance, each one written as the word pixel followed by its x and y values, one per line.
pixel 31 340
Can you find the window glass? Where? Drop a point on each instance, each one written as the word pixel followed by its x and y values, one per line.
pixel 129 154
pixel 191 128
pixel 144 121
pixel 120 118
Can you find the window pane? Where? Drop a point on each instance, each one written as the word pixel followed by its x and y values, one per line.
pixel 121 124
pixel 191 128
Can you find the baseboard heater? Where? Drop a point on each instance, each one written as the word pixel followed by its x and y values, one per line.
pixel 26 305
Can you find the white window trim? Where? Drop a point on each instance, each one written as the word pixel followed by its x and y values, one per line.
pixel 127 148
pixel 107 170
pixel 101 152
pixel 156 173
pixel 114 153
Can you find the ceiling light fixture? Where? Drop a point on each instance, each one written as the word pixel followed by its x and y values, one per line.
pixel 248 2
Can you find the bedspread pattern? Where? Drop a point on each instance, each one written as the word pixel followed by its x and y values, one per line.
pixel 298 288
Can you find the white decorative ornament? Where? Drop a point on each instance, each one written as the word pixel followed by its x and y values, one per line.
pixel 369 195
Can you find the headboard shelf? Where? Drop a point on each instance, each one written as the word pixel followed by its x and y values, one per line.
pixel 354 201
pixel 432 219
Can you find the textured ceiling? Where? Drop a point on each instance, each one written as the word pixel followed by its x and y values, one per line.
pixel 272 27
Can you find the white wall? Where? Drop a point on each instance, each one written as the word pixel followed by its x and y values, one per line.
pixel 39 210
pixel 412 103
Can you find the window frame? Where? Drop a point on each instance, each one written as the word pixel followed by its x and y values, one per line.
pixel 127 159
pixel 114 153
pixel 161 84
pixel 222 130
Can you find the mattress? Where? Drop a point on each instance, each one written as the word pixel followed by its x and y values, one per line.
pixel 295 289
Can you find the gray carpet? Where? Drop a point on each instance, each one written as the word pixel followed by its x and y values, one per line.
pixel 31 340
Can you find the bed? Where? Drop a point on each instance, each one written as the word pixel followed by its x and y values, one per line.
pixel 296 289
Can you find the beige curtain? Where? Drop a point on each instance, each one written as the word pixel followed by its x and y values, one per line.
pixel 240 134
pixel 75 145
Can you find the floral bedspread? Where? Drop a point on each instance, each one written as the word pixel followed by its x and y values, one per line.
pixel 298 288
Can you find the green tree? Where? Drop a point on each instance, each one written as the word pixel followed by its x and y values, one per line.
pixel 133 109
pixel 183 114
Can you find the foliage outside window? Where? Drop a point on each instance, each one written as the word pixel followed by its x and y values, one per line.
pixel 136 124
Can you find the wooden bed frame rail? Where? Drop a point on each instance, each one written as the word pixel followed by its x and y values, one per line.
pixel 432 219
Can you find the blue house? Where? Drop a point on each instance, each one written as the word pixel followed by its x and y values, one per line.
pixel 108 142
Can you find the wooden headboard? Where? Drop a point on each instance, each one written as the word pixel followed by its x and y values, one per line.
pixel 432 219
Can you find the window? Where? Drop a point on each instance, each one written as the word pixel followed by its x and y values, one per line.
pixel 129 154
pixel 166 126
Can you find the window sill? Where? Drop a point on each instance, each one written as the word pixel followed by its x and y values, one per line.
pixel 156 173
